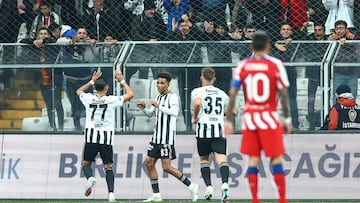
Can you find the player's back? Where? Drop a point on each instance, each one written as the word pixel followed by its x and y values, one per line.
pixel 211 116
pixel 262 77
pixel 100 111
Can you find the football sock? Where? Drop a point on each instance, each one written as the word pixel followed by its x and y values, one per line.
pixel 252 176
pixel 185 180
pixel 205 173
pixel 155 185
pixel 110 179
pixel 224 171
pixel 86 168
pixel 279 177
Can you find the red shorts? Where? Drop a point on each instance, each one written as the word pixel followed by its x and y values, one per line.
pixel 271 141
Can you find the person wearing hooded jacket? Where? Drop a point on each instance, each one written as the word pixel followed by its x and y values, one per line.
pixel 345 114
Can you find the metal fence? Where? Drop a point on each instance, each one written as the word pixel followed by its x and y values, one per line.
pixel 312 67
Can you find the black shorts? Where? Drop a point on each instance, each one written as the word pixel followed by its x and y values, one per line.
pixel 206 146
pixel 91 150
pixel 162 151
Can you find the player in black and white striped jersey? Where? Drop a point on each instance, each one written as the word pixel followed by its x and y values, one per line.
pixel 166 109
pixel 209 104
pixel 100 126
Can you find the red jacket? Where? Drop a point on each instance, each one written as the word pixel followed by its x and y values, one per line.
pixel 334 114
pixel 297 12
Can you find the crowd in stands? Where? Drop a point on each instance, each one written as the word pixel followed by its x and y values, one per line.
pixel 159 19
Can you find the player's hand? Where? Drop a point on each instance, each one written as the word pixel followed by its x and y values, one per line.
pixel 96 75
pixel 228 128
pixel 154 103
pixel 118 76
pixel 195 120
pixel 287 128
pixel 141 105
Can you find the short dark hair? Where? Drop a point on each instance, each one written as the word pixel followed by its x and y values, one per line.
pixel 208 73
pixel 45 3
pixel 100 84
pixel 260 40
pixel 165 75
pixel 249 26
pixel 341 22
pixel 44 28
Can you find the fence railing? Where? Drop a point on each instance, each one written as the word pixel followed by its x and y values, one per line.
pixel 312 69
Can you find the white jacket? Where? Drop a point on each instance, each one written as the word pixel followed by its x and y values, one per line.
pixel 339 10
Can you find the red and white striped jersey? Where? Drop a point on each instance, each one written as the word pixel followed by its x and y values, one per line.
pixel 261 77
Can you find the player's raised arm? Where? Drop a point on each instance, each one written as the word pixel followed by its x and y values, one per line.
pixel 284 100
pixel 128 92
pixel 197 107
pixel 96 75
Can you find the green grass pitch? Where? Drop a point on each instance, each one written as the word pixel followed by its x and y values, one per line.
pixel 167 201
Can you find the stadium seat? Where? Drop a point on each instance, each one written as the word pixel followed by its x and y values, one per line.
pixel 141 88
pixel 142 123
pixel 35 124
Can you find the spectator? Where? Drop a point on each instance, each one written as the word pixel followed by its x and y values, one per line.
pixel 237 33
pixel 347 53
pixel 75 77
pixel 149 25
pixel 338 10
pixel 27 14
pixel 219 52
pixel 317 12
pixel 177 9
pixel 314 52
pixel 135 6
pixel 357 15
pixel 44 19
pixel 214 9
pixel 284 50
pixel 241 15
pixel 146 27
pixel 109 53
pixel 69 13
pixel 99 20
pixel 345 114
pixel 51 80
pixel 265 15
pixel 63 34
pixel 294 13
pixel 342 33
pixel 249 30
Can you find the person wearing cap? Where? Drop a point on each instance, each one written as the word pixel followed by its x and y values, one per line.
pixel 345 114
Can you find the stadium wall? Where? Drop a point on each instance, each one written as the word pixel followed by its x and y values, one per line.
pixel 33 166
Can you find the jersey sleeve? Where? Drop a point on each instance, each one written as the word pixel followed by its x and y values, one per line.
pixel 85 98
pixel 173 109
pixel 195 93
pixel 117 100
pixel 235 81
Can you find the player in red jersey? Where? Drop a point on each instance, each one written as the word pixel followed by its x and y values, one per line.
pixel 263 78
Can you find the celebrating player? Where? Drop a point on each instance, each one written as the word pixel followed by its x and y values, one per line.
pixel 209 108
pixel 100 127
pixel 263 78
pixel 166 108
